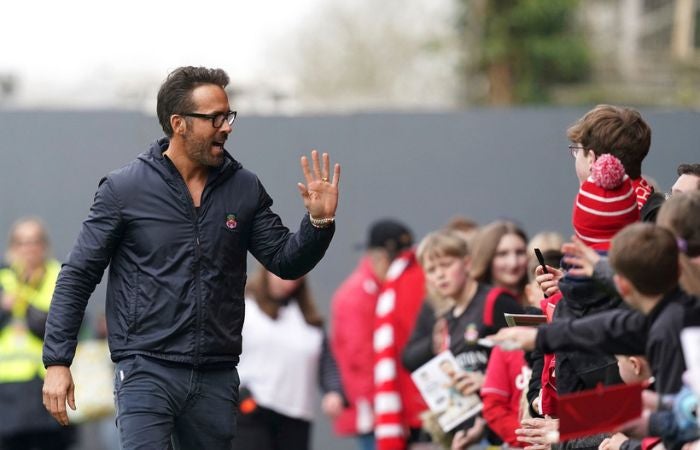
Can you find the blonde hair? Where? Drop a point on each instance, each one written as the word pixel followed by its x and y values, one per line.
pixel 464 227
pixel 545 241
pixel 436 245
pixel 441 243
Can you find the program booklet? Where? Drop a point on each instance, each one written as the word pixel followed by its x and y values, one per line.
pixel 525 320
pixel 436 382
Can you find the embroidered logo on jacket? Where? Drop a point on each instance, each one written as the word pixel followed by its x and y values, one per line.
pixel 231 221
pixel 471 334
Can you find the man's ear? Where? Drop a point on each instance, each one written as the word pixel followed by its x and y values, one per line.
pixel 468 264
pixel 623 285
pixel 178 123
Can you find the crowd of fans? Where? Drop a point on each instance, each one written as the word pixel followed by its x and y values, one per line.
pixel 615 298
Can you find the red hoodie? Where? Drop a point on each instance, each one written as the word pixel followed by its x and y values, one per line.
pixel 506 376
pixel 352 318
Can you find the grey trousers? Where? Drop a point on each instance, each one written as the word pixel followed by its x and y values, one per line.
pixel 164 406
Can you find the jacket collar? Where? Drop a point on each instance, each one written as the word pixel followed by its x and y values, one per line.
pixel 155 158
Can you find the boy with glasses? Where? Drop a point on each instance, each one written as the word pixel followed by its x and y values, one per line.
pixel 623 133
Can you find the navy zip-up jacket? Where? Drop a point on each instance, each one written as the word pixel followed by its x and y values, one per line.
pixel 177 275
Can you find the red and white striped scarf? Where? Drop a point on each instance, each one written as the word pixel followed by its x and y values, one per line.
pixel 643 190
pixel 389 431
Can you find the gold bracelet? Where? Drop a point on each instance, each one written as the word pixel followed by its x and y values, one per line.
pixel 321 223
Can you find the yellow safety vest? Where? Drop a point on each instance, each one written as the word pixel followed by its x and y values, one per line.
pixel 20 350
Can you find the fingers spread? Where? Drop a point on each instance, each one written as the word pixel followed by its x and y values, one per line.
pixel 325 171
pixel 316 164
pixel 305 169
pixel 305 195
pixel 336 175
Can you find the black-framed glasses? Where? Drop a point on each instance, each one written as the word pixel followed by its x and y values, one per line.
pixel 574 149
pixel 217 120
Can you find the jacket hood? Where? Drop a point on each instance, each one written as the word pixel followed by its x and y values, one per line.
pixel 154 158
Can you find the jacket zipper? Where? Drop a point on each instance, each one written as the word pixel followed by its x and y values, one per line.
pixel 197 259
pixel 197 250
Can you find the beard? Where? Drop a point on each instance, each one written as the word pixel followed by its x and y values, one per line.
pixel 201 150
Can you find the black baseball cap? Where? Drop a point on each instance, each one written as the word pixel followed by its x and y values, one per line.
pixel 389 234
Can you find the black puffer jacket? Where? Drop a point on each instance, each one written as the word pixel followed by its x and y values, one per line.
pixel 577 371
pixel 177 275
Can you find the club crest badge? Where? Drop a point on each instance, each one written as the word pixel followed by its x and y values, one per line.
pixel 471 334
pixel 231 221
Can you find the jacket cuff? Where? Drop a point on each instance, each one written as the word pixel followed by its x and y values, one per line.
pixel 48 364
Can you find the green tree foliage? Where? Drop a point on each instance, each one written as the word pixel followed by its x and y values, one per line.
pixel 524 47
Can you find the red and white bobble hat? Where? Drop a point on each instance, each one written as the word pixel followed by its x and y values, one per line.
pixel 605 204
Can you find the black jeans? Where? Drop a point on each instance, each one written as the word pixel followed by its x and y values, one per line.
pixel 162 406
pixel 264 429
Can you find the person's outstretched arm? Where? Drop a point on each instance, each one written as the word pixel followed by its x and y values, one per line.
pixel 620 331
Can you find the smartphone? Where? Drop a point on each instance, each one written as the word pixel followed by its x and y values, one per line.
pixel 540 258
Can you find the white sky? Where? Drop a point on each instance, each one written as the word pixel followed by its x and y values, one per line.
pixel 56 43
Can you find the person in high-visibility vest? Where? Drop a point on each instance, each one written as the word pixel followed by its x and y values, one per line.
pixel 26 286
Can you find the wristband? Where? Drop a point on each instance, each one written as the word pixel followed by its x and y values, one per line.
pixel 321 223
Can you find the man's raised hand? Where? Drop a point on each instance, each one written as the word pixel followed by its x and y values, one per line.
pixel 320 193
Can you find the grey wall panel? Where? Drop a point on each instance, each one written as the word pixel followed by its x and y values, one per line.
pixel 423 168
